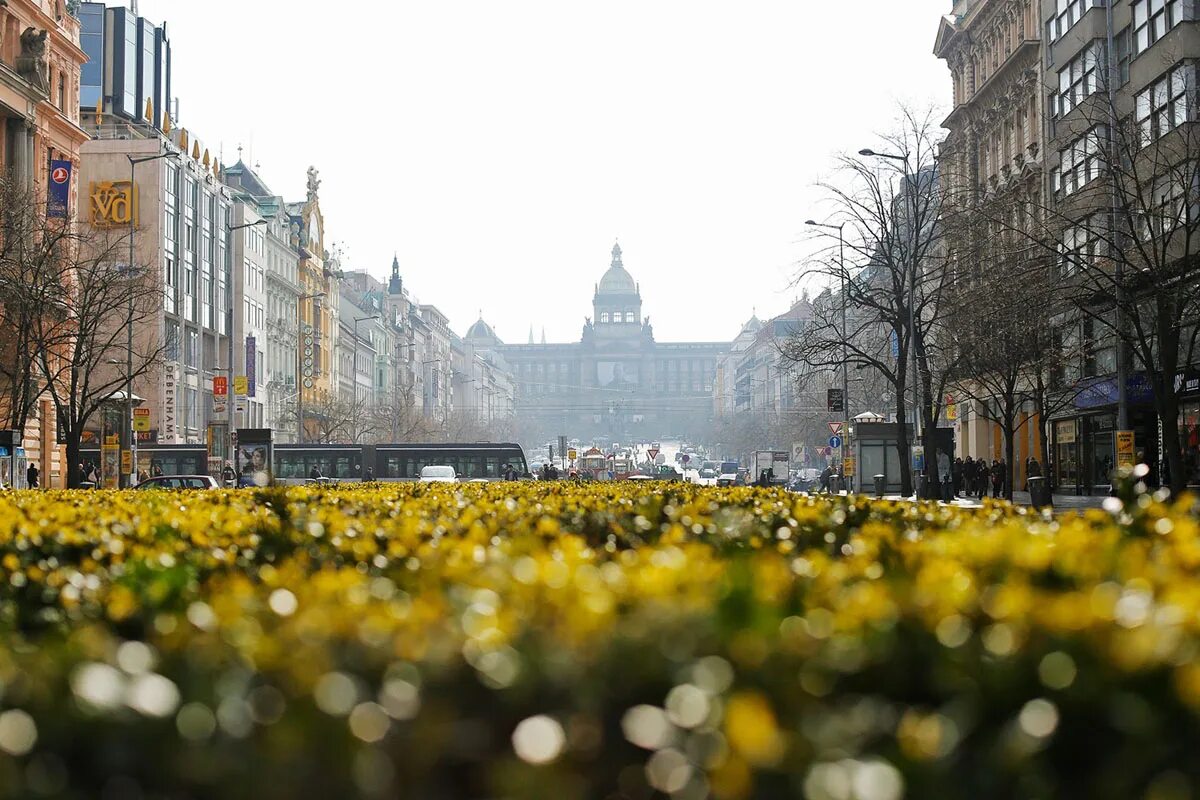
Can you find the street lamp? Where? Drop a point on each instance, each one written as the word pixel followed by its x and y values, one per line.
pixel 300 363
pixel 845 333
pixel 128 440
pixel 356 321
pixel 229 395
pixel 912 289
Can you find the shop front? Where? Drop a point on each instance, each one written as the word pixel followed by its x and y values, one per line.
pixel 1084 445
pixel 1188 385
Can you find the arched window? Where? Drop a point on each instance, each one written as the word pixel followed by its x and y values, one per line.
pixel 604 317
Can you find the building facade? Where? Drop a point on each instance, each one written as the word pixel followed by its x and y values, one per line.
pixel 992 163
pixel 616 382
pixel 128 71
pixel 39 123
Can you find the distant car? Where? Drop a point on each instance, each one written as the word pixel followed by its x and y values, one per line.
pixel 179 482
pixel 438 475
pixel 728 479
pixel 707 474
pixel 642 478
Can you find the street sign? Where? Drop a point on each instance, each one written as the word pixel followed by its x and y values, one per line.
pixel 836 428
pixel 220 386
pixel 141 419
pixel 836 400
pixel 572 454
pixel 797 452
pixel 1125 456
pixel 240 384
pixel 918 458
pixel 653 453
pixel 562 445
pixel 835 442
pixel 685 458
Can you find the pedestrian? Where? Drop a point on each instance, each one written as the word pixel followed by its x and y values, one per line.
pixel 969 476
pixel 143 476
pixel 997 478
pixel 156 469
pixel 826 476
pixel 957 473
pixel 93 475
pixel 31 476
pixel 983 478
pixel 369 475
pixel 314 473
pixel 229 474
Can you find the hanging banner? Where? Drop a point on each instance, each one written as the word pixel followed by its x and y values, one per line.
pixel 251 365
pixel 58 195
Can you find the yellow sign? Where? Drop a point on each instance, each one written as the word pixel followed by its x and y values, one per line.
pixel 1125 449
pixel 951 408
pixel 572 454
pixel 126 462
pixel 240 385
pixel 114 204
pixel 141 420
pixel 848 465
pixel 113 439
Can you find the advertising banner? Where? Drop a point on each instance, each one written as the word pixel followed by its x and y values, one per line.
pixel 58 194
pixel 169 409
pixel 1125 449
pixel 251 366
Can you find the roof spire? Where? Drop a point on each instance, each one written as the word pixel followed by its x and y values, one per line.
pixel 616 255
pixel 543 335
pixel 395 285
pixel 531 334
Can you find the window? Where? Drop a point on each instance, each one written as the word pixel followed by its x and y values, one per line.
pixel 1165 104
pixel 1079 78
pixel 630 317
pixel 189 348
pixel 1124 49
pixel 1081 245
pixel 1067 13
pixel 604 317
pixel 1152 19
pixel 1100 354
pixel 1081 163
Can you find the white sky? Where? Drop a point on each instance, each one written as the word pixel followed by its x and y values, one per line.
pixel 501 146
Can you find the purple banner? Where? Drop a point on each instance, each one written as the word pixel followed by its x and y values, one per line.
pixel 58 195
pixel 251 366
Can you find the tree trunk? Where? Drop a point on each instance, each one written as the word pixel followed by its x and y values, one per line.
pixel 906 476
pixel 74 478
pixel 1010 447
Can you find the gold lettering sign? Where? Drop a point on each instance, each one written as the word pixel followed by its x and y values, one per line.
pixel 114 204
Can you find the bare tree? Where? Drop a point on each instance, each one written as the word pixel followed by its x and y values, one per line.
pixel 30 248
pixel 1122 227
pixel 895 276
pixel 92 298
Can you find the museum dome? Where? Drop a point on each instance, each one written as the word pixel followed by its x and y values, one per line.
pixel 481 332
pixel 617 280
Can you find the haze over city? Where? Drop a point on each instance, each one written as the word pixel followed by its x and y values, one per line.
pixel 506 146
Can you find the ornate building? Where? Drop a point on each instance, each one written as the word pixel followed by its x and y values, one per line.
pixel 992 158
pixel 617 381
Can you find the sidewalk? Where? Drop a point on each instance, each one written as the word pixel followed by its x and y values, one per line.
pixel 1062 502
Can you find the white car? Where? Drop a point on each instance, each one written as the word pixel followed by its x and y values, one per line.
pixel 438 475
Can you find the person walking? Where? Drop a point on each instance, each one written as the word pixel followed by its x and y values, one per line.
pixel 944 475
pixel 368 475
pixel 969 476
pixel 31 476
pixel 956 472
pixel 229 475
pixel 997 478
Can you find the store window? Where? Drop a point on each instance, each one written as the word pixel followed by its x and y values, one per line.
pixel 1189 439
pixel 1066 461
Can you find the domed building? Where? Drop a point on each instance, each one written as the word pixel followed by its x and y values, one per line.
pixel 617 381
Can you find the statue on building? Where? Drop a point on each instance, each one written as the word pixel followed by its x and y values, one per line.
pixel 314 183
pixel 31 63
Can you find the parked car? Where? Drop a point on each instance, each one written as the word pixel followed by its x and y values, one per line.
pixel 179 482
pixel 438 475
pixel 728 479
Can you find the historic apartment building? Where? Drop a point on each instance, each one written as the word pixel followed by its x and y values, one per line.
pixel 1150 48
pixel 992 161
pixel 40 63
pixel 617 381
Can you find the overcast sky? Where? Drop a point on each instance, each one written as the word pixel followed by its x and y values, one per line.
pixel 500 147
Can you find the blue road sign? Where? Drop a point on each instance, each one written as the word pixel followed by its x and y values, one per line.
pixel 835 442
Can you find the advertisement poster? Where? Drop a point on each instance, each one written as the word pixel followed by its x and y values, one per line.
pixel 251 365
pixel 616 374
pixel 58 193
pixel 110 465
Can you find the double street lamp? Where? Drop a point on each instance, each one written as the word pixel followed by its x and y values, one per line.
pixel 229 389
pixel 845 332
pixel 912 283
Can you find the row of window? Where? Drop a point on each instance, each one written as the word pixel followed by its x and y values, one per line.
pixel 628 317
pixel 1152 19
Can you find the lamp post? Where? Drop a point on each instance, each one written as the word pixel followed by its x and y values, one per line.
pixel 845 333
pixel 912 289
pixel 300 363
pixel 128 440
pixel 229 230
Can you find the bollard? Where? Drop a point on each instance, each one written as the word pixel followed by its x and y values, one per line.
pixel 879 483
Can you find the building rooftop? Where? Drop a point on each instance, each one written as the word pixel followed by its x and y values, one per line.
pixel 617 280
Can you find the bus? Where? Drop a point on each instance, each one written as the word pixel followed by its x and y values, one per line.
pixel 294 463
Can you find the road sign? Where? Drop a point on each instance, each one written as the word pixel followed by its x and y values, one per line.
pixel 141 419
pixel 835 400
pixel 572 454
pixel 220 386
pixel 836 428
pixel 797 452
pixel 240 384
pixel 685 458
pixel 1125 449
pixel 653 453
pixel 835 442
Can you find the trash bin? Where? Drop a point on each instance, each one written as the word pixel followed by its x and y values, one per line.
pixel 87 485
pixel 879 484
pixel 1039 492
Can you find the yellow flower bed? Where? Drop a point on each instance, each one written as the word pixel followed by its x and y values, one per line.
pixel 615 640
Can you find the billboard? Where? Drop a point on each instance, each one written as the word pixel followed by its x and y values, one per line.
pixel 617 374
